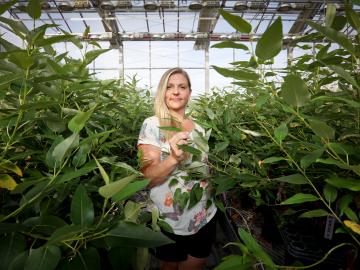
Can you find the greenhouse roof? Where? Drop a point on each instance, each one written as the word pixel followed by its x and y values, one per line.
pixel 188 20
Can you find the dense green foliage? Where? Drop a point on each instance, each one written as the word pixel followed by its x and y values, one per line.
pixel 68 160
pixel 290 139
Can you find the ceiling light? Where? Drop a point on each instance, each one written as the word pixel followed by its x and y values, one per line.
pixel 124 4
pixel 195 5
pixel 240 6
pixel 211 4
pixel 167 4
pixel 151 5
pixel 82 4
pixel 285 7
pixel 107 5
pixel 256 5
pixel 45 5
pixel 65 6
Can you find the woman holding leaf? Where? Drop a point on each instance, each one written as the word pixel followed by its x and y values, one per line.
pixel 174 154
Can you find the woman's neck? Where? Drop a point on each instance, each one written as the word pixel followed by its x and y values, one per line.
pixel 179 116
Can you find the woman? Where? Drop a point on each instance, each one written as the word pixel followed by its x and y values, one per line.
pixel 164 163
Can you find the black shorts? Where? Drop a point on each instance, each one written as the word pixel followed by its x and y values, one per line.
pixel 197 245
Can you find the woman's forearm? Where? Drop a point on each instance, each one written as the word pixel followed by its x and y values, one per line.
pixel 157 172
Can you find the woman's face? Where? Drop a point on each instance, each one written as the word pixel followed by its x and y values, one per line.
pixel 177 93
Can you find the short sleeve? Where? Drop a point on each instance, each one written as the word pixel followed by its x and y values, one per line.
pixel 149 133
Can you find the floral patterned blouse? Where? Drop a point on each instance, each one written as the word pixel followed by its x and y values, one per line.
pixel 184 221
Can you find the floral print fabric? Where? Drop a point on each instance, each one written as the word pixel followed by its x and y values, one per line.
pixel 183 221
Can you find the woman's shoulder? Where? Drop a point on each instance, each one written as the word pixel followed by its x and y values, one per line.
pixel 152 120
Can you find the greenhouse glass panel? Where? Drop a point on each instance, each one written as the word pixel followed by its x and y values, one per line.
pixel 188 22
pixel 221 57
pixel 106 74
pixel 110 59
pixel 164 54
pixel 155 23
pixel 219 81
pixel 136 54
pixel 197 78
pixel 131 22
pixel 171 22
pixel 190 57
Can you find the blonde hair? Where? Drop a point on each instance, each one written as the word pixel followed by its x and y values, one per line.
pixel 160 108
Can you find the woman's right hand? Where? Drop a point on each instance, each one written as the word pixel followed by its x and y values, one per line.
pixel 179 138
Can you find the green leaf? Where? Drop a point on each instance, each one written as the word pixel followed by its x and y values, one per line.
pixel 314 213
pixel 43 258
pixel 344 74
pixel 330 193
pixel 223 184
pixel 255 248
pixel 296 179
pixel 195 195
pixel 294 91
pixel 22 59
pixel 7 182
pixel 131 211
pixel 134 235
pixel 103 173
pixel 270 160
pixel 321 129
pixel 237 22
pixel 11 245
pixel 330 14
pixel 347 183
pixel 238 74
pixel 220 146
pixel 55 39
pixel 64 147
pixel 130 190
pixel 91 56
pixel 77 123
pixel 74 173
pixel 230 44
pixel 281 132
pixel 234 262
pixel 307 160
pixel 4 7
pixel 300 198
pixel 44 224
pixel 200 141
pixel 81 155
pixel 270 42
pixel 351 214
pixel 18 27
pixel 109 190
pixel 210 113
pixel 342 165
pixel 335 36
pixel 66 232
pixel 33 9
pixel 344 202
pixel 169 128
pixel 19 261
pixel 189 149
pixel 353 18
pixel 82 208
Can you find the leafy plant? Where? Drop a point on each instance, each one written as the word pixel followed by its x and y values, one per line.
pixel 290 138
pixel 68 162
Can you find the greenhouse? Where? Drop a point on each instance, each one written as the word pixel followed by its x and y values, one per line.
pixel 188 134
